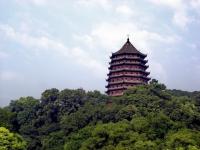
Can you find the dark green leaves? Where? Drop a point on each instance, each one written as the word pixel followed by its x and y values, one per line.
pixel 146 117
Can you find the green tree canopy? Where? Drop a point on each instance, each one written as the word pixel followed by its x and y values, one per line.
pixel 146 117
pixel 11 141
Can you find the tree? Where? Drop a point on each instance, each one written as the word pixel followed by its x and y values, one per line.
pixel 54 141
pixel 69 101
pixel 184 139
pixel 159 125
pixel 11 141
pixel 126 112
pixel 140 124
pixel 24 110
pixel 6 118
pixel 146 117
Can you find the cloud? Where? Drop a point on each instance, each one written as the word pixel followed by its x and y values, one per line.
pixel 192 45
pixel 55 47
pixel 85 60
pixel 124 10
pixel 196 5
pixel 27 40
pixel 34 2
pixel 111 36
pixel 3 55
pixel 105 4
pixel 85 39
pixel 158 71
pixel 9 76
pixel 181 16
pixel 175 4
pixel 181 19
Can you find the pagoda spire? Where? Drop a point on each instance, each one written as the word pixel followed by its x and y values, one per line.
pixel 128 38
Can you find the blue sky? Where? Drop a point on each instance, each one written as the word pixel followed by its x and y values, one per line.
pixel 67 44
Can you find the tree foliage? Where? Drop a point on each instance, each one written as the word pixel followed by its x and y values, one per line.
pixel 146 117
pixel 11 141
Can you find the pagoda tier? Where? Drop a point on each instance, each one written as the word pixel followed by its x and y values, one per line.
pixel 126 77
pixel 127 69
pixel 127 65
pixel 128 58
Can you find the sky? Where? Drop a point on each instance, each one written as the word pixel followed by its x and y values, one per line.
pixel 68 43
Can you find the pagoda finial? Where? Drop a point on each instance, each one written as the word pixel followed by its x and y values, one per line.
pixel 127 38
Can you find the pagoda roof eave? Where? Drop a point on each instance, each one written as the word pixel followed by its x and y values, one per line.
pixel 142 65
pixel 128 48
pixel 126 53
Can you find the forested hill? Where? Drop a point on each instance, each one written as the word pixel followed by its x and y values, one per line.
pixel 148 117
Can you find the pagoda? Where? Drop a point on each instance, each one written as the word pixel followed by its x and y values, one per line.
pixel 127 68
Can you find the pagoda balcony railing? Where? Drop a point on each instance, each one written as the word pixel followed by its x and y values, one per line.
pixel 126 57
pixel 129 57
pixel 113 71
pixel 144 66
pixel 121 75
pixel 128 75
pixel 125 62
pixel 126 81
pixel 118 88
pixel 117 94
pixel 127 69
